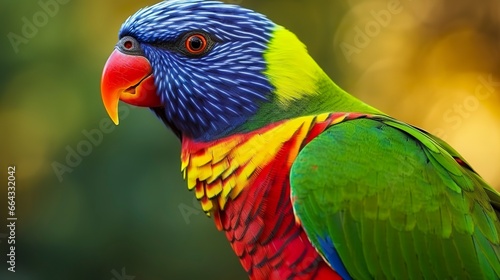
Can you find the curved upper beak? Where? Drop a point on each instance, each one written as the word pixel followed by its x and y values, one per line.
pixel 128 78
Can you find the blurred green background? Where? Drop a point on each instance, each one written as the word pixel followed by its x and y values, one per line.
pixel 103 202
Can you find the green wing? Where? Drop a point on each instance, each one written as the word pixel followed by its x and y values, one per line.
pixel 381 199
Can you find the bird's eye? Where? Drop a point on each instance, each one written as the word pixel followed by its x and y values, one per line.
pixel 196 44
pixel 129 45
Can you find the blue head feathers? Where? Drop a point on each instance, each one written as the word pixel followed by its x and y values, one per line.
pixel 210 93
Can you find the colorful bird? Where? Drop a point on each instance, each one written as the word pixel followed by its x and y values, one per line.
pixel 306 181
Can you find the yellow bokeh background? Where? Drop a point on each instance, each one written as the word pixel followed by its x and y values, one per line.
pixel 121 202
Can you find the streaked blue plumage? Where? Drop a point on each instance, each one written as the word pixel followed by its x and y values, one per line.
pixel 211 95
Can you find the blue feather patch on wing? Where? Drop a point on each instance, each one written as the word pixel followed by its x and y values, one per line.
pixel 332 256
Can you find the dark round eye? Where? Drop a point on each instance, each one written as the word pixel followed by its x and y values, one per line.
pixel 196 44
pixel 129 45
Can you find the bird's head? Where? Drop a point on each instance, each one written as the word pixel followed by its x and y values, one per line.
pixel 204 67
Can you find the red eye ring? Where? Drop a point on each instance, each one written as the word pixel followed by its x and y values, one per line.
pixel 196 44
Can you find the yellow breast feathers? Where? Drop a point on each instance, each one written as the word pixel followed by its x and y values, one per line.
pixel 220 170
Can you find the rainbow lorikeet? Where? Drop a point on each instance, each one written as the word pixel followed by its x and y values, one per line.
pixel 306 181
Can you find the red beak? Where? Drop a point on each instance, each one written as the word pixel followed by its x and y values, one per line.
pixel 128 78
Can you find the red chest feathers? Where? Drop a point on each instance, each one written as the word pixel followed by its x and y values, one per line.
pixel 243 182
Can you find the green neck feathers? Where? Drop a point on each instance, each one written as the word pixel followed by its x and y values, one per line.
pixel 301 86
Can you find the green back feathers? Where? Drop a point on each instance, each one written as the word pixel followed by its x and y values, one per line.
pixel 395 203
